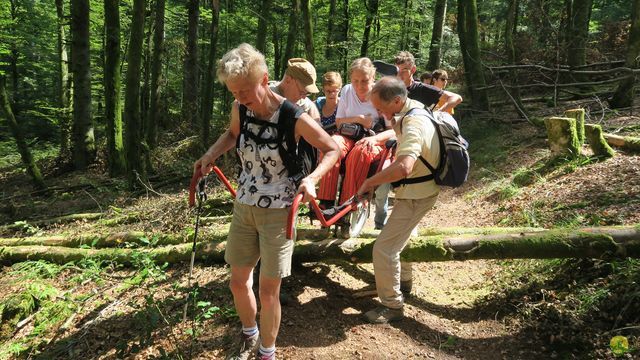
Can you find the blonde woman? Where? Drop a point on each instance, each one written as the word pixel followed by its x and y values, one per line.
pixel 264 193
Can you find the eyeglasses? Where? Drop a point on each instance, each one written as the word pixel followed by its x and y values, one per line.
pixel 303 93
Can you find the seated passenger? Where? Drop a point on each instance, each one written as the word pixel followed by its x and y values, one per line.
pixel 328 104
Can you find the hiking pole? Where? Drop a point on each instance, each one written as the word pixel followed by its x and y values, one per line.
pixel 202 197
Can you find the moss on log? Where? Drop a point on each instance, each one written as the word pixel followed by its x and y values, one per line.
pixel 626 143
pixel 563 136
pixel 578 115
pixel 597 141
pixel 620 241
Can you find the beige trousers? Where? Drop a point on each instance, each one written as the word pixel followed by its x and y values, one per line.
pixel 393 238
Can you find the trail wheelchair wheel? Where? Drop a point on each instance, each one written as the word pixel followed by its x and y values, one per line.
pixel 357 220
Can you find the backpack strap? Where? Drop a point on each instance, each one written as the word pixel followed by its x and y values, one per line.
pixel 242 111
pixel 289 114
pixel 425 178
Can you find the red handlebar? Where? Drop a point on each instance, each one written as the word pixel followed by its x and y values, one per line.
pixel 198 175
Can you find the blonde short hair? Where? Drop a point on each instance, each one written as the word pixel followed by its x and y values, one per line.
pixel 242 62
pixel 363 64
pixel 332 78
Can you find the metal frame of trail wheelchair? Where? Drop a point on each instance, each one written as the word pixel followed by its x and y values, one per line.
pixel 356 208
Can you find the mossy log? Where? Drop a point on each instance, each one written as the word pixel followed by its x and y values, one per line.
pixel 626 143
pixel 597 141
pixel 601 242
pixel 120 239
pixel 563 136
pixel 578 115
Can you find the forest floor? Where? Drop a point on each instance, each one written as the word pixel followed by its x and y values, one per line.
pixel 483 309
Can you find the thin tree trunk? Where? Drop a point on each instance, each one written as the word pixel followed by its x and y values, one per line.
pixel 372 12
pixel 623 97
pixel 580 15
pixel 308 31
pixel 277 51
pixel 462 38
pixel 263 22
pixel 435 50
pixel 13 58
pixel 155 104
pixel 510 50
pixel 191 73
pixel 64 83
pixel 476 72
pixel 23 148
pixel 345 37
pixel 291 36
pixel 331 36
pixel 134 135
pixel 84 148
pixel 210 76
pixel 113 107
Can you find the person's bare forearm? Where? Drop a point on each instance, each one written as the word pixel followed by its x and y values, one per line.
pixel 328 160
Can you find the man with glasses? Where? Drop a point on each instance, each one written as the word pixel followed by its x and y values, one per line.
pixel 299 80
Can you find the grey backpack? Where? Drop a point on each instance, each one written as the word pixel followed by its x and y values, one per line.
pixel 453 167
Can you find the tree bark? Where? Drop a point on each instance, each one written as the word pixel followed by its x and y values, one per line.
pixel 23 148
pixel 64 83
pixel 509 33
pixel 291 36
pixel 210 76
pixel 579 34
pixel 435 50
pixel 84 148
pixel 578 115
pixel 112 82
pixel 605 242
pixel 372 12
pixel 155 105
pixel 479 98
pixel 308 31
pixel 263 22
pixel 191 76
pixel 627 143
pixel 329 49
pixel 134 149
pixel 623 97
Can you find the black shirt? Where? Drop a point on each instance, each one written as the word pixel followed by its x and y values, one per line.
pixel 426 94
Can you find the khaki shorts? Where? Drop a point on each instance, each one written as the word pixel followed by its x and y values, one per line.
pixel 259 234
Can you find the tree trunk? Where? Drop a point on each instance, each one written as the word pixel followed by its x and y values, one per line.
pixel 277 51
pixel 563 136
pixel 191 76
pixel 308 31
pixel 372 12
pixel 626 143
pixel 435 50
pixel 113 108
pixel 155 105
pixel 64 83
pixel 462 38
pixel 146 84
pixel 210 76
pixel 291 36
pixel 23 148
pixel 578 115
pixel 597 141
pixel 134 149
pixel 623 97
pixel 13 58
pixel 474 62
pixel 329 50
pixel 510 50
pixel 344 39
pixel 605 242
pixel 579 34
pixel 263 22
pixel 84 148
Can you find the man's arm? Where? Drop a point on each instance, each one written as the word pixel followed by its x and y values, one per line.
pixel 225 142
pixel 399 169
pixel 450 100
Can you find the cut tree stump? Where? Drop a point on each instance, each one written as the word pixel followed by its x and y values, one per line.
pixel 602 242
pixel 597 141
pixel 563 136
pixel 578 115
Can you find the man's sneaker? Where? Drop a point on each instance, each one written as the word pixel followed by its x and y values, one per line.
pixel 265 357
pixel 406 286
pixel 383 315
pixel 246 348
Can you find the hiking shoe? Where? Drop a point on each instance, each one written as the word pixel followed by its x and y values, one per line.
pixel 246 348
pixel 406 286
pixel 383 315
pixel 265 357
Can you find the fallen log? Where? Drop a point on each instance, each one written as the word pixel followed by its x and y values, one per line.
pixel 627 143
pixel 603 242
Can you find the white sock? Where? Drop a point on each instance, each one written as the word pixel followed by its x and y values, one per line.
pixel 250 331
pixel 267 351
